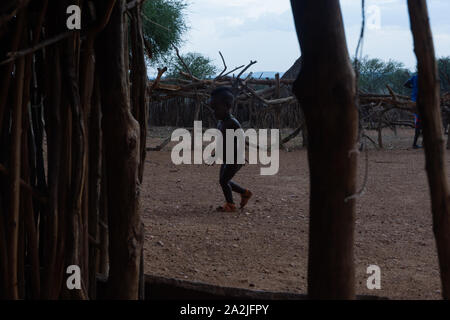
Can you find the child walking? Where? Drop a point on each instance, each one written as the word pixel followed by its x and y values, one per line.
pixel 221 102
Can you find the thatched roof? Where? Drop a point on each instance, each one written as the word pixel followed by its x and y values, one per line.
pixel 291 74
pixel 293 71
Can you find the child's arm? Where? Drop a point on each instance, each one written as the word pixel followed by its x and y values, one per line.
pixel 210 161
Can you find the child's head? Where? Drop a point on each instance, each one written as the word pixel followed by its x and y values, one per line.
pixel 221 102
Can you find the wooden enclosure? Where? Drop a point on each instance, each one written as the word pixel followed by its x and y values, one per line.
pixel 75 106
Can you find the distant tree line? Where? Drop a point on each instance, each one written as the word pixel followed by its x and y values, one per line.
pixel 375 74
pixel 164 25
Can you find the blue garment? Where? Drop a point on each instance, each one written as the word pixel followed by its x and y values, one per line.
pixel 414 82
pixel 417 123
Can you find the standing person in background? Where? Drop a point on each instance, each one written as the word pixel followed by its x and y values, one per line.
pixel 412 83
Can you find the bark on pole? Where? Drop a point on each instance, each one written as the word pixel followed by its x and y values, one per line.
pixel 122 158
pixel 13 224
pixel 76 229
pixel 428 103
pixel 326 91
pixel 139 103
pixel 139 80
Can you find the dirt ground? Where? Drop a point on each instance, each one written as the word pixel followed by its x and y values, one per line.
pixel 265 246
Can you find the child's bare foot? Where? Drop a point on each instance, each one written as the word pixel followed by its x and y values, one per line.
pixel 245 197
pixel 227 207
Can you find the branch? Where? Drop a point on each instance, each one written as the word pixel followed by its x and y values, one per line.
pixel 184 63
pixel 162 145
pixel 92 31
pixel 269 102
pixel 229 72
pixel 102 23
pixel 6 17
pixel 190 76
pixel 148 48
pixel 155 83
pixel 130 5
pixel 246 68
pixel 394 97
pixel 14 55
pixel 292 135
pixel 36 194
pixel 224 67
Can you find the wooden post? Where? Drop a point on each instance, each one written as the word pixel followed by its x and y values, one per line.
pixel 326 90
pixel 13 224
pixel 380 134
pixel 122 159
pixel 428 103
pixel 277 86
pixel 140 105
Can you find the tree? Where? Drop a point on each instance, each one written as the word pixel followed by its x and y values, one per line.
pixel 326 90
pixel 375 74
pixel 200 66
pixel 163 24
pixel 444 73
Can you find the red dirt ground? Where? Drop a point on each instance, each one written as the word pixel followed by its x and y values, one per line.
pixel 265 246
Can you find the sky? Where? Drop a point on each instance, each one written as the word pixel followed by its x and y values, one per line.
pixel 263 30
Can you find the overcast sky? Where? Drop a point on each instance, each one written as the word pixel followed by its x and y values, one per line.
pixel 263 30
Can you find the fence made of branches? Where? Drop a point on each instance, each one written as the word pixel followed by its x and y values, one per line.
pixel 73 124
pixel 268 103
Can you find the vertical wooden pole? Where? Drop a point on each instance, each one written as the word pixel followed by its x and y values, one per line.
pixel 13 225
pixel 326 90
pixel 122 145
pixel 428 103
pixel 277 85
